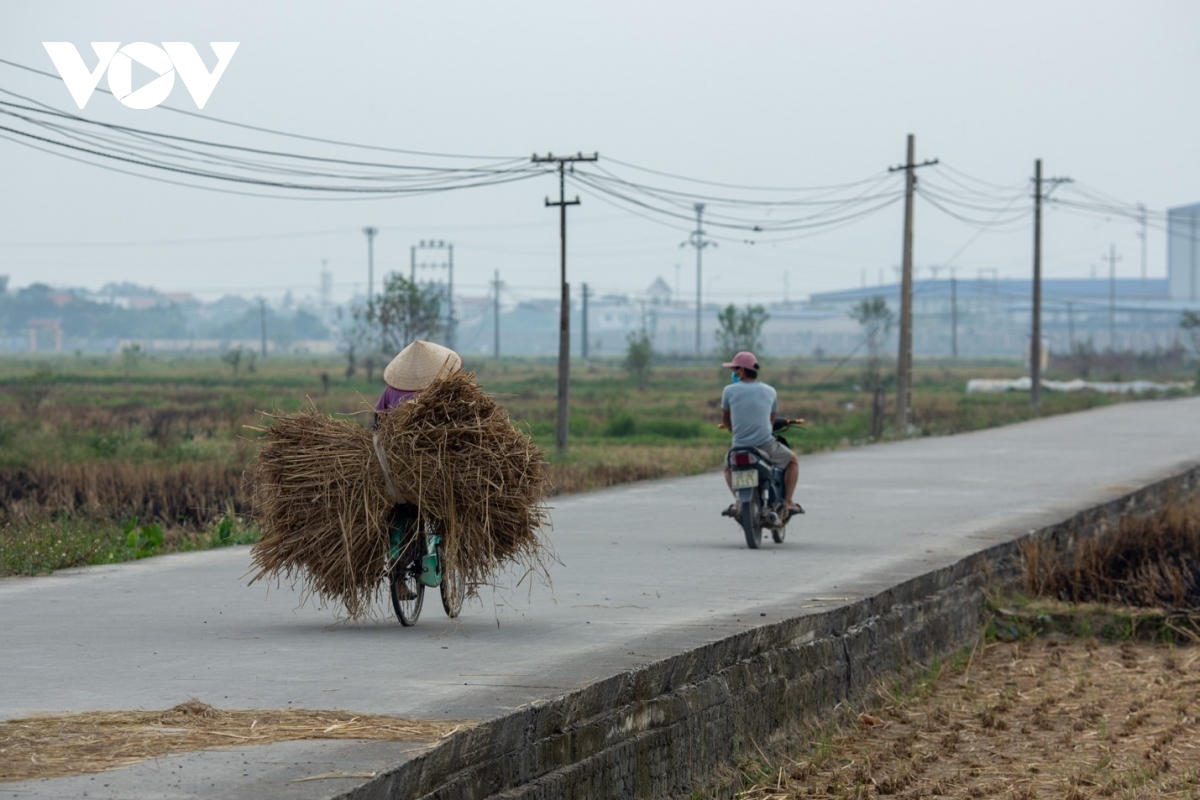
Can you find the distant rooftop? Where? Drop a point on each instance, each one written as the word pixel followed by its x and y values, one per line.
pixel 1063 288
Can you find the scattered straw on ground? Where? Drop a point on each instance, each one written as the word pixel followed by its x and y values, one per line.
pixel 1043 718
pixel 54 745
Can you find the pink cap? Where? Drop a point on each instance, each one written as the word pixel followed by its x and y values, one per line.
pixel 744 359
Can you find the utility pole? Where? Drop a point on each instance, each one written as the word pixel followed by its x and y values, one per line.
pixel 439 244
pixel 584 330
pixel 496 316
pixel 1142 234
pixel 1113 258
pixel 904 361
pixel 370 232
pixel 953 316
pixel 564 316
pixel 1071 324
pixel 1035 344
pixel 262 319
pixel 696 239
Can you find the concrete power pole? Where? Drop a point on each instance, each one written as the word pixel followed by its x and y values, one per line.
pixel 564 318
pixel 953 316
pixel 496 316
pixel 1142 235
pixel 1035 344
pixel 370 232
pixel 697 240
pixel 583 328
pixel 904 360
pixel 262 319
pixel 1113 258
pixel 439 244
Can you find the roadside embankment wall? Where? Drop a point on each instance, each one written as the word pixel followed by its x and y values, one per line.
pixel 663 729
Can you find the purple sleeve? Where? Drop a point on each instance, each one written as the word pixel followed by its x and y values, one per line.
pixel 392 397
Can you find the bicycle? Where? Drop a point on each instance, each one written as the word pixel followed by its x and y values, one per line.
pixel 418 558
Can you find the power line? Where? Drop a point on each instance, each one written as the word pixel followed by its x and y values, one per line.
pixel 246 126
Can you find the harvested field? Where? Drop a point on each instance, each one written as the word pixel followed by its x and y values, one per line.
pixel 1043 718
pixel 183 493
pixel 1053 711
pixel 54 745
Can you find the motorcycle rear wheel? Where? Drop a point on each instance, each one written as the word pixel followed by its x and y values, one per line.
pixel 751 523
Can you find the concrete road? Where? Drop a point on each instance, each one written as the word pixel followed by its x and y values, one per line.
pixel 647 571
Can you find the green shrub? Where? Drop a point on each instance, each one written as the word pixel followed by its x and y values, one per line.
pixel 621 424
pixel 671 428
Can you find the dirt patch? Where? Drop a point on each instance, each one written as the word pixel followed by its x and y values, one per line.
pixel 1036 718
pixel 54 745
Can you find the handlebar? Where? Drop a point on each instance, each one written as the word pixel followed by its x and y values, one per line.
pixel 779 424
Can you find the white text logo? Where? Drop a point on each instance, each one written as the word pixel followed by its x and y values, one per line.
pixel 172 57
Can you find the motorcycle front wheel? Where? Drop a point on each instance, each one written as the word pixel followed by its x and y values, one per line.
pixel 751 522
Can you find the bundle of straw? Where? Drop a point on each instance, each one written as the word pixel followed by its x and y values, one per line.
pixel 325 506
pixel 454 453
pixel 320 500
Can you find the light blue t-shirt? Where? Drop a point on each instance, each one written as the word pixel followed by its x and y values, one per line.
pixel 750 405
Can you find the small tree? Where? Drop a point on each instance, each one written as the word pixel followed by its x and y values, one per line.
pixel 388 323
pixel 1189 321
pixel 233 357
pixel 877 321
pixel 132 356
pixel 638 356
pixel 740 330
pixel 400 313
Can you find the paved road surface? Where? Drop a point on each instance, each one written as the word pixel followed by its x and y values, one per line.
pixel 648 570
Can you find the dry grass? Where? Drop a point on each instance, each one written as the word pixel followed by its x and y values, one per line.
pixel 325 505
pixel 54 745
pixel 184 493
pixel 1151 561
pixel 1045 718
pixel 598 466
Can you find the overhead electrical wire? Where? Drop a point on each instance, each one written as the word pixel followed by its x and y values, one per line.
pixel 296 175
pixel 275 132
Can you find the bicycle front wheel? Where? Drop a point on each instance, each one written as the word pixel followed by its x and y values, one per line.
pixel 454 584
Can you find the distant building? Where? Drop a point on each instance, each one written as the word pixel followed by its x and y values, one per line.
pixel 659 293
pixel 1183 252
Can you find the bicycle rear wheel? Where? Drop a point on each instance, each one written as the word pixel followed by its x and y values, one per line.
pixel 404 585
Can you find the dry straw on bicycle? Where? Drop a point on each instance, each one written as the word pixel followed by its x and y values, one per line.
pixel 324 505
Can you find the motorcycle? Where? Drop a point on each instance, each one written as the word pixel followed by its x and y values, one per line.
pixel 759 488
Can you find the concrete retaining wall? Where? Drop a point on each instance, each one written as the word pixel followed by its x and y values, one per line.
pixel 666 728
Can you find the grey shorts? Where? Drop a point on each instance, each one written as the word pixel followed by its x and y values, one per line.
pixel 779 454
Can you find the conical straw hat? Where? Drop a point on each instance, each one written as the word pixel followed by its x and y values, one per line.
pixel 417 365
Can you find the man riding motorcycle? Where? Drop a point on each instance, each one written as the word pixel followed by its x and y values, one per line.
pixel 748 408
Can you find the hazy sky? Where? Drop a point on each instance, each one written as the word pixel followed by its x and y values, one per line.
pixel 764 93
